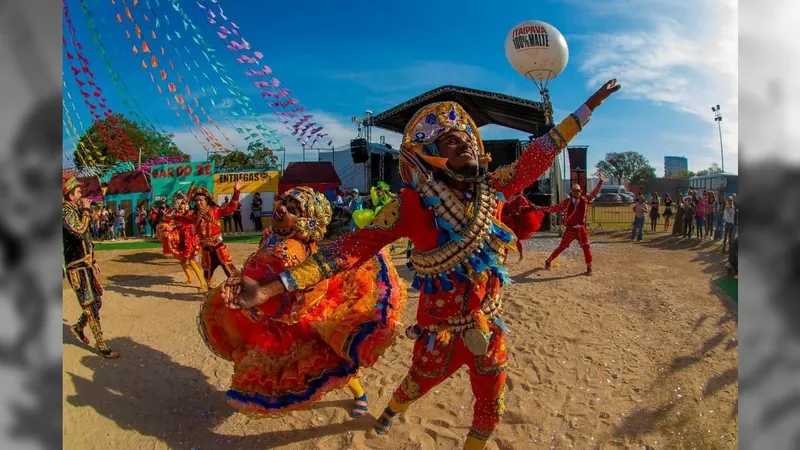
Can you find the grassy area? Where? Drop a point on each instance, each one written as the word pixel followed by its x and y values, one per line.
pixel 143 244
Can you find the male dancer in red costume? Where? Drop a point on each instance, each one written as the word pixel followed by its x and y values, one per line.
pixel 451 213
pixel 207 218
pixel 575 207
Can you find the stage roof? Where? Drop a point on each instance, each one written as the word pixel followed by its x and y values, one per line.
pixel 484 107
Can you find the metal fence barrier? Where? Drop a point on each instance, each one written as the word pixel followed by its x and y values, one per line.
pixel 610 213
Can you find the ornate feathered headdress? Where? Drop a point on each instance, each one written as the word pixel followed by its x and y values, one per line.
pixel 70 185
pixel 427 125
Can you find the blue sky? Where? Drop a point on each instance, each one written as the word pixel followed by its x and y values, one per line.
pixel 674 59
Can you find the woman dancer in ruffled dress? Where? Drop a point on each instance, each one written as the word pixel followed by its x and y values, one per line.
pixel 179 239
pixel 290 351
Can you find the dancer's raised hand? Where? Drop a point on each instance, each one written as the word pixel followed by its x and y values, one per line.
pixel 603 93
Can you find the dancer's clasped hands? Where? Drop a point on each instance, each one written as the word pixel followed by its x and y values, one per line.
pixel 240 292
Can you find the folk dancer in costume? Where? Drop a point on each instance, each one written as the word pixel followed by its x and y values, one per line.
pixel 523 218
pixel 451 212
pixel 206 218
pixel 80 266
pixel 380 196
pixel 291 350
pixel 575 208
pixel 179 239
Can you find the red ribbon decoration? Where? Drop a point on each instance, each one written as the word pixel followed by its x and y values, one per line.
pixel 108 125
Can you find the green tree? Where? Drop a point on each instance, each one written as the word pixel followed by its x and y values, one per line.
pixel 629 165
pixel 643 176
pixel 682 175
pixel 257 156
pixel 262 156
pixel 151 143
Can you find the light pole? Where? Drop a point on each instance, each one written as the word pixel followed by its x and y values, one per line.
pixel 718 118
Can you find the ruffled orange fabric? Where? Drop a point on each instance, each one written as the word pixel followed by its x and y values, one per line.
pixel 178 239
pixel 283 364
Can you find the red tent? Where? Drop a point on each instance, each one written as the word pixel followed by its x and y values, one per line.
pixel 320 176
pixel 90 188
pixel 128 183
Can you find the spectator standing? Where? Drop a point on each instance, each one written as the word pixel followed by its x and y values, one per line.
pixel 700 216
pixel 227 221
pixel 640 212
pixel 237 219
pixel 256 206
pixel 655 214
pixel 728 216
pixel 711 214
pixel 688 217
pixel 120 223
pixel 667 211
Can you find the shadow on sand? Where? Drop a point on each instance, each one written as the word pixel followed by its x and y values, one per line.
pixel 148 392
pixel 137 286
pixel 645 420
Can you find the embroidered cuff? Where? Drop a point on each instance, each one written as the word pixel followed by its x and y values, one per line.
pixel 583 114
pixel 285 278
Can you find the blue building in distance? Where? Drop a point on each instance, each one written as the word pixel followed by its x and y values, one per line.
pixel 674 165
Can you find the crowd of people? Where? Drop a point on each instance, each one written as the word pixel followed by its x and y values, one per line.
pixel 700 217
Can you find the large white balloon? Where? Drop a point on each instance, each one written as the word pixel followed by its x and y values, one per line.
pixel 537 50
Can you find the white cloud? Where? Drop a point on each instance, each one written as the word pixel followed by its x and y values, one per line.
pixel 680 53
pixel 418 76
pixel 769 92
pixel 339 129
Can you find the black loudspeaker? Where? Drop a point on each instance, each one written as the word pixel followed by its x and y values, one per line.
pixel 358 150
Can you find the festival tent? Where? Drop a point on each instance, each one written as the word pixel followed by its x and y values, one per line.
pixel 129 190
pixel 90 188
pixel 319 176
pixel 352 174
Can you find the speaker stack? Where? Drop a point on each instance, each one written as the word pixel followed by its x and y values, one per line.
pixel 358 150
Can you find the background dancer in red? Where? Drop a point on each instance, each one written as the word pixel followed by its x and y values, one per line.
pixel 179 239
pixel 575 209
pixel 523 217
pixel 206 218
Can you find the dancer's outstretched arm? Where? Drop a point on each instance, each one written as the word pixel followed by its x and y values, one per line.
pixel 596 190
pixel 539 154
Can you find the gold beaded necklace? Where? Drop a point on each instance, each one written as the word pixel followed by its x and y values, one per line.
pixel 472 220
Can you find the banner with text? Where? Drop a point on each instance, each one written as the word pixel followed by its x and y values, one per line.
pixel 577 166
pixel 167 179
pixel 266 181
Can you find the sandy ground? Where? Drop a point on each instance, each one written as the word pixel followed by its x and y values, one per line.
pixel 643 354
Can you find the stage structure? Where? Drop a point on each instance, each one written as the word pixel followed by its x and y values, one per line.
pixel 319 150
pixel 487 108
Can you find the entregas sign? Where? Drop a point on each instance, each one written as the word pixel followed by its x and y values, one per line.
pixel 246 177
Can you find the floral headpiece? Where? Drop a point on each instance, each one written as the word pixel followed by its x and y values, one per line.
pixel 315 213
pixel 427 125
pixel 70 185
